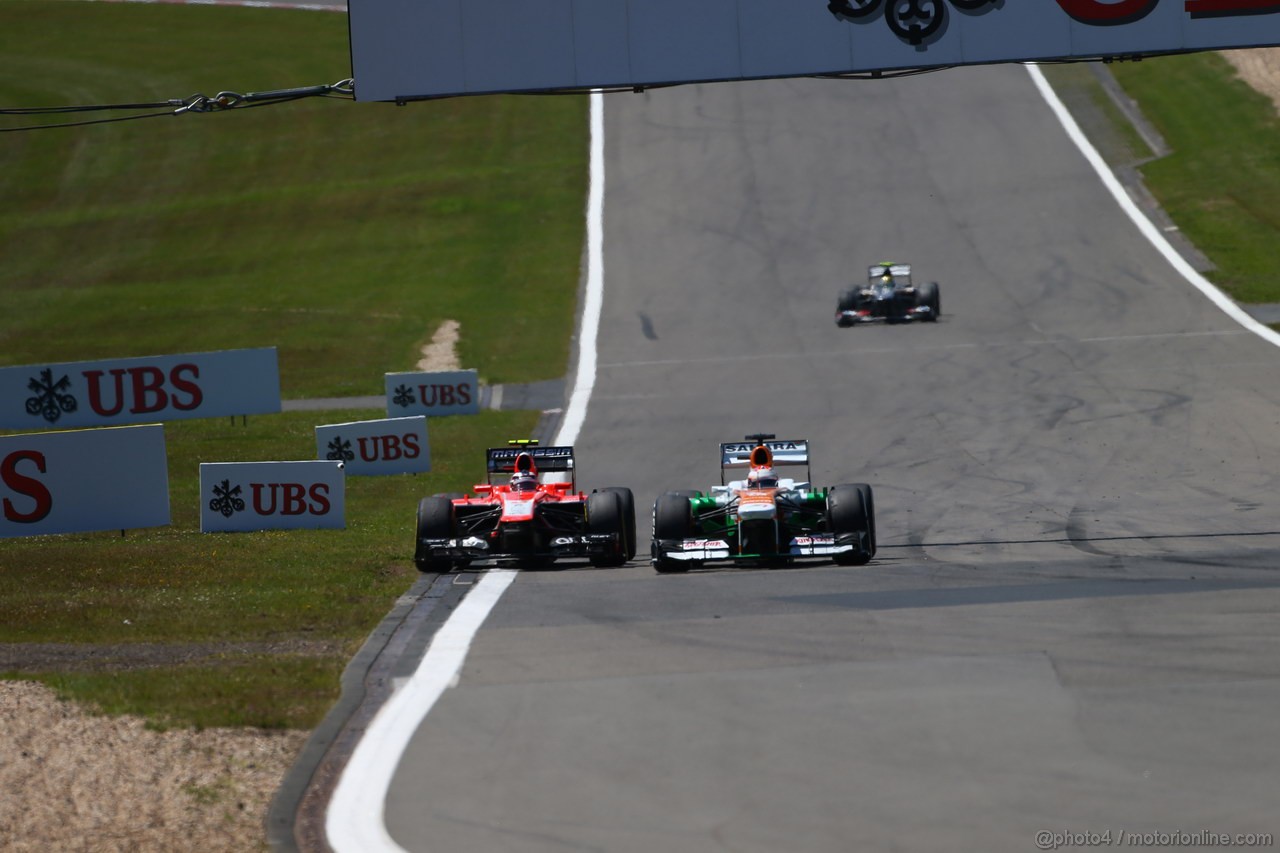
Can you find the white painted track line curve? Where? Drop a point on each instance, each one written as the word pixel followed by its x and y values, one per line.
pixel 354 822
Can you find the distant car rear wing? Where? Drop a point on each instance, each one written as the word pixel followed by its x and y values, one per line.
pixel 547 460
pixel 737 454
pixel 896 270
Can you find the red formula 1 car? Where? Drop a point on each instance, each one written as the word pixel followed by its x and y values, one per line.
pixel 533 517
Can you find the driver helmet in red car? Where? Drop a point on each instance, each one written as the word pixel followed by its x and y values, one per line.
pixel 762 478
pixel 523 481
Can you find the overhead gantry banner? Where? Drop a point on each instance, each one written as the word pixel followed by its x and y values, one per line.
pixel 405 50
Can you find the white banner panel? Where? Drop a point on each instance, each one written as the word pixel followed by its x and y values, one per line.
pixel 73 482
pixel 407 49
pixel 119 391
pixel 390 446
pixel 453 392
pixel 243 496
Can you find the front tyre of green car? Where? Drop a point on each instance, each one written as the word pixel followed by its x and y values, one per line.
pixel 672 519
pixel 847 515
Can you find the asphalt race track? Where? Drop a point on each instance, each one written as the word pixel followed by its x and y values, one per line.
pixel 1071 625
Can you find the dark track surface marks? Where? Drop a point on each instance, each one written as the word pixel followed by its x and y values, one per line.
pixel 1071 625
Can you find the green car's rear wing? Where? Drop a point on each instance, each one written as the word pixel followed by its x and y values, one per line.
pixel 741 454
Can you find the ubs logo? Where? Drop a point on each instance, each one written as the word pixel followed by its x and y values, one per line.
pixel 374 448
pixel 917 22
pixel 28 487
pixel 226 499
pixel 432 395
pixel 270 499
pixel 340 450
pixel 143 389
pixel 1100 14
pixel 923 22
pixel 52 397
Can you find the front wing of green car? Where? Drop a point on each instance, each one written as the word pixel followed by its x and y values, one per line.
pixel 701 550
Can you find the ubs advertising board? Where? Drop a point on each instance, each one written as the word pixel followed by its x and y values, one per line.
pixel 449 392
pixel 83 480
pixel 247 496
pixel 402 50
pixel 388 446
pixel 113 392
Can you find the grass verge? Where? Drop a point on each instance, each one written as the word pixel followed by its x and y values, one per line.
pixel 1223 175
pixel 1222 179
pixel 174 616
pixel 1078 86
pixel 341 233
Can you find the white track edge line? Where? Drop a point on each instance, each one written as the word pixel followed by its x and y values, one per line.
pixel 355 820
pixel 593 300
pixel 1145 225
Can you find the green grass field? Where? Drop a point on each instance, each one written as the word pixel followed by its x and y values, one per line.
pixel 1224 170
pixel 1222 179
pixel 341 233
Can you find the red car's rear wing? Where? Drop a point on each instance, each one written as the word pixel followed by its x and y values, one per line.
pixel 546 460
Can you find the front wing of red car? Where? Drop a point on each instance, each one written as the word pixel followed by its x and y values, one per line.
pixel 474 549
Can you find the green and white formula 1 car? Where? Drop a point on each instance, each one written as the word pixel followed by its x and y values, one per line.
pixel 763 519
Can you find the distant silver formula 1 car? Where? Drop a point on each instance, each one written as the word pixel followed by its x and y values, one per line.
pixel 889 295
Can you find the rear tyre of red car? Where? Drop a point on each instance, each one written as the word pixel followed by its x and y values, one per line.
pixel 628 501
pixel 847 514
pixel 672 519
pixel 435 521
pixel 605 515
